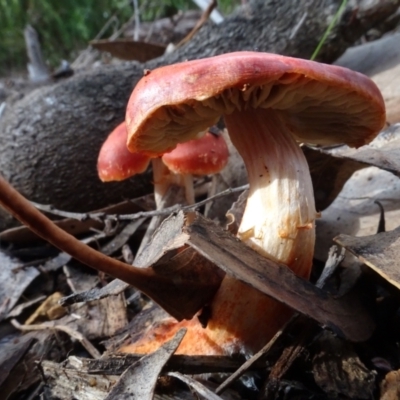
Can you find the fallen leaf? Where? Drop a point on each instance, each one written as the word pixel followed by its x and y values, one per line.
pixel 139 380
pixel 381 252
pixel 13 282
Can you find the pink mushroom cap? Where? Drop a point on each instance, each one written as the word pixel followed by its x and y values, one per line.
pixel 115 161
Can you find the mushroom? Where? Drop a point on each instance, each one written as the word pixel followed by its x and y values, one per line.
pixel 115 162
pixel 269 104
pixel 207 155
pixel 203 156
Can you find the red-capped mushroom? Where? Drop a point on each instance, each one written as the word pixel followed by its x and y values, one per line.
pixel 207 155
pixel 115 162
pixel 269 103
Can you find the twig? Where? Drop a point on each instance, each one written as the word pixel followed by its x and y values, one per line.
pixel 63 328
pixel 141 214
pixel 247 365
pixel 204 17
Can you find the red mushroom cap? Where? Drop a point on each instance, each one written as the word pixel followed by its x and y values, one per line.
pixel 207 155
pixel 321 104
pixel 115 161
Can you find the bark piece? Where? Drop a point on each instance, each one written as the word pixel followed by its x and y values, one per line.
pixel 380 252
pixel 118 363
pixel 338 370
pixel 199 388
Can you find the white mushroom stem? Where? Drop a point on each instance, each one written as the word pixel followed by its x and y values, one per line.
pixel 279 218
pixel 278 222
pixel 189 188
pixel 161 180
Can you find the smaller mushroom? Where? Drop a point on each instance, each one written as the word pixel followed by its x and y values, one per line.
pixel 115 161
pixel 207 155
pixel 204 156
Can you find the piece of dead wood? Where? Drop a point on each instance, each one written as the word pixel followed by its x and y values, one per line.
pixel 139 381
pixel 115 287
pixel 65 383
pixel 381 252
pixel 338 370
pixel 199 388
pixel 190 365
pixel 20 308
pixel 182 297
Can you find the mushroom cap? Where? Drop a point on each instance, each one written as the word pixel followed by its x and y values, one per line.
pixel 206 155
pixel 319 103
pixel 115 161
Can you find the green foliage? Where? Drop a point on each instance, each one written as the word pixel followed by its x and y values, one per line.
pixel 65 27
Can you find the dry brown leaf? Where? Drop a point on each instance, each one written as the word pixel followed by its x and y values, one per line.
pixel 13 282
pixel 139 380
pixel 381 252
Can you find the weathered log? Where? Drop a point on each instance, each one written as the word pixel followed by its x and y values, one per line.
pixel 49 140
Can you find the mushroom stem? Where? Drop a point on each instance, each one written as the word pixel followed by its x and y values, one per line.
pixel 279 218
pixel 189 190
pixel 162 180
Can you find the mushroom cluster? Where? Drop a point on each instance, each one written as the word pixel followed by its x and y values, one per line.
pixel 269 103
pixel 205 155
